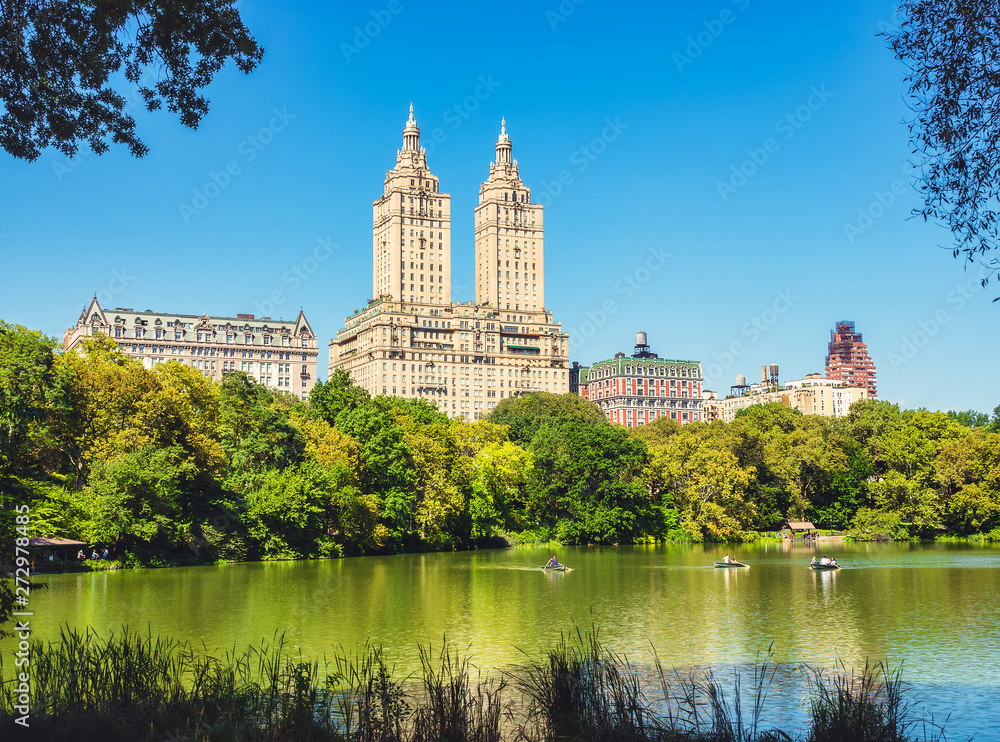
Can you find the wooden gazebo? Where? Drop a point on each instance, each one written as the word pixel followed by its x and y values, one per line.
pixel 64 549
pixel 799 528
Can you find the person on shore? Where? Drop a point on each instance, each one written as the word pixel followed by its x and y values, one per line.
pixel 93 555
pixel 104 554
pixel 80 556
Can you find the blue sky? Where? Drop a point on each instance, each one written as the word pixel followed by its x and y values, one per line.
pixel 729 176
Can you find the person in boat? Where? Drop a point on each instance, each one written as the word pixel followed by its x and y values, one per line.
pixel 813 560
pixel 833 562
pixel 725 559
pixel 824 561
pixel 553 562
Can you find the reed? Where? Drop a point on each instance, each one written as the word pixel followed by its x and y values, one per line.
pixel 699 708
pixel 582 690
pixel 136 687
pixel 870 706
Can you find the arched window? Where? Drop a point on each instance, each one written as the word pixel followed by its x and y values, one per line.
pixel 628 370
pixel 673 370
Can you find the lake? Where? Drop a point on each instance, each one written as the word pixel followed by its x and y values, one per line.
pixel 933 606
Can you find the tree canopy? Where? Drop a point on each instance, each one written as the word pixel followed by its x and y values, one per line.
pixel 60 63
pixel 165 466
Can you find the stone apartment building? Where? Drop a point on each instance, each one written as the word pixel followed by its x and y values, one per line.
pixel 278 353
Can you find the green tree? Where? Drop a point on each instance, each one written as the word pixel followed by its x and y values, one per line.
pixel 802 461
pixel 135 500
pixel 493 472
pixel 386 464
pixel 994 426
pixel 706 484
pixel 338 394
pixel 59 58
pixel 26 374
pixel 254 430
pixel 294 512
pixel 525 416
pixel 587 481
pixel 969 418
pixel 877 525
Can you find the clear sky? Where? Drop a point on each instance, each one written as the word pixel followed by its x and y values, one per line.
pixel 727 176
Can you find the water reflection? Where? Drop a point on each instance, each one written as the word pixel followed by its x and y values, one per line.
pixel 933 605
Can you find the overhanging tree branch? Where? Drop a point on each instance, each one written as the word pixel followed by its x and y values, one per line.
pixel 56 60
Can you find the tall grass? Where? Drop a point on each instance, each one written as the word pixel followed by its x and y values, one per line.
pixel 135 687
pixel 870 705
pixel 700 708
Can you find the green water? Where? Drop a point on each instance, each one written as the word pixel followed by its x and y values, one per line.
pixel 934 606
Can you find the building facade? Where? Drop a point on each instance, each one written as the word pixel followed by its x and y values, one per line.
pixel 812 395
pixel 412 340
pixel 277 353
pixel 847 359
pixel 638 389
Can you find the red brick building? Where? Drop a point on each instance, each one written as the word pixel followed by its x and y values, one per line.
pixel 636 390
pixel 847 359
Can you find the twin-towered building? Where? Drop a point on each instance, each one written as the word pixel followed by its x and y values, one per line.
pixel 412 340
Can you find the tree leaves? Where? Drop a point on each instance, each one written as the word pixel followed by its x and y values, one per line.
pixel 949 48
pixel 60 59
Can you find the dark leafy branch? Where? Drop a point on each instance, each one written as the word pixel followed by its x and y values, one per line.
pixel 950 49
pixel 59 58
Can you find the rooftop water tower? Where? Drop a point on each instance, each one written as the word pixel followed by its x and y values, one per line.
pixel 642 346
pixel 740 388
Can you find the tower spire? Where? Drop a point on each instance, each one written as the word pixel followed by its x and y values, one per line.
pixel 411 134
pixel 503 144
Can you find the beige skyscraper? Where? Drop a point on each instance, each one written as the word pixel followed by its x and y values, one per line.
pixel 411 340
pixel 411 235
pixel 509 248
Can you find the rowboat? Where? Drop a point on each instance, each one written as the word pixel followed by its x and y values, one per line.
pixel 818 566
pixel 731 564
pixel 556 568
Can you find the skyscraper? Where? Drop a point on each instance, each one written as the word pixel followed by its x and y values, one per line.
pixel 412 227
pixel 411 339
pixel 508 238
pixel 847 359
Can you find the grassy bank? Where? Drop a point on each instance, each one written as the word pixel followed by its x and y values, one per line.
pixel 133 687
